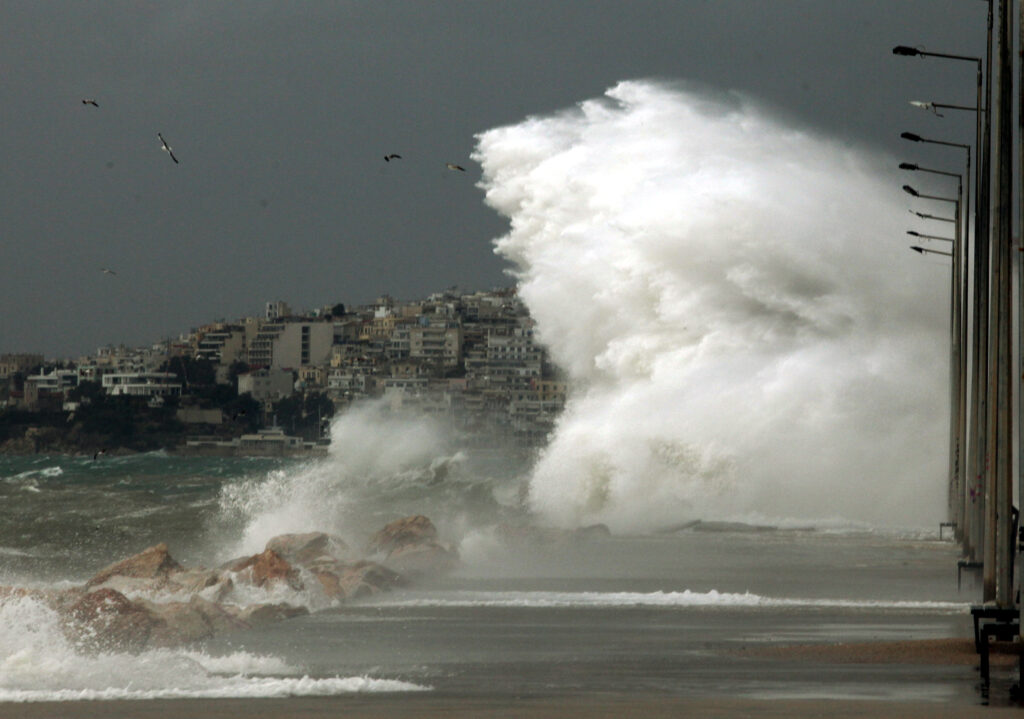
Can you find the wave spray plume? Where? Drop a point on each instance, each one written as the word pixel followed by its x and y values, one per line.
pixel 744 333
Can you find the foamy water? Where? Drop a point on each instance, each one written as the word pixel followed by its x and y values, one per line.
pixel 742 325
pixel 38 663
pixel 381 464
pixel 685 599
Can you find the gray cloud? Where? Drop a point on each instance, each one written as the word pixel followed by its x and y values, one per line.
pixel 281 113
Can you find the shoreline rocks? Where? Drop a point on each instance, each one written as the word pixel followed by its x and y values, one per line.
pixel 154 563
pixel 411 546
pixel 149 600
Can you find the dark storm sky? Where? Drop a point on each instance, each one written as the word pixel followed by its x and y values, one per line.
pixel 281 113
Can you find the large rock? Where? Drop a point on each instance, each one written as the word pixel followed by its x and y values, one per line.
pixel 106 620
pixel 357 579
pixel 305 549
pixel 189 622
pixel 154 563
pixel 428 558
pixel 210 583
pixel 180 624
pixel 131 586
pixel 411 546
pixel 192 581
pixel 267 568
pixel 416 529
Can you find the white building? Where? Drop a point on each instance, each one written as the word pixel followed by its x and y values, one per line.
pixel 142 384
pixel 278 309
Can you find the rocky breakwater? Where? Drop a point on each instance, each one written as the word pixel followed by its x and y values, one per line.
pixel 150 600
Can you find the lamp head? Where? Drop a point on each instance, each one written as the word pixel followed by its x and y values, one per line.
pixel 911 232
pixel 926 106
pixel 910 190
pixel 905 50
pixel 907 166
pixel 910 136
pixel 919 250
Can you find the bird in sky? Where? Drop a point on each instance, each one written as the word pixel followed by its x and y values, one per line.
pixel 392 156
pixel 453 166
pixel 166 148
pixel 87 101
pixel 107 271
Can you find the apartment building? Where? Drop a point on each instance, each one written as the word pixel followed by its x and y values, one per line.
pixel 436 340
pixel 291 344
pixel 221 343
pixel 142 384
pixel 509 359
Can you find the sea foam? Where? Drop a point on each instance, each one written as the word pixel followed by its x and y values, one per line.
pixel 38 663
pixel 682 599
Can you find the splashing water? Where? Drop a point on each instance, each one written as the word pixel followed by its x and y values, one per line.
pixel 37 663
pixel 743 330
pixel 382 465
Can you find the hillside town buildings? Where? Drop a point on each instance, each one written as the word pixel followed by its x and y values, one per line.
pixel 469 359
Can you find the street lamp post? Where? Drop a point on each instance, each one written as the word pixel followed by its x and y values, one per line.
pixel 982 503
pixel 1001 439
pixel 925 250
pixel 926 216
pixel 929 237
pixel 933 107
pixel 957 385
pixel 967 522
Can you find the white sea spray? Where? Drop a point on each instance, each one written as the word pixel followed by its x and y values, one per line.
pixel 743 329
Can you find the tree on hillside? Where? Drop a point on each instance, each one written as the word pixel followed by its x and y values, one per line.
pixel 243 412
pixel 304 414
pixel 86 390
pixel 236 368
pixel 191 372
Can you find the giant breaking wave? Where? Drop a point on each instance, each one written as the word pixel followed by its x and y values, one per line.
pixel 744 332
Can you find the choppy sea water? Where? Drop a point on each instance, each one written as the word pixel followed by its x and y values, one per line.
pixel 659 611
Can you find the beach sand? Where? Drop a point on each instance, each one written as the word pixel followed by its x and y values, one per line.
pixel 433 705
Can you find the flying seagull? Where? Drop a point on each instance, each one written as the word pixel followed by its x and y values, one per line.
pixel 392 156
pixel 106 271
pixel 166 148
pixel 87 101
pixel 453 166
